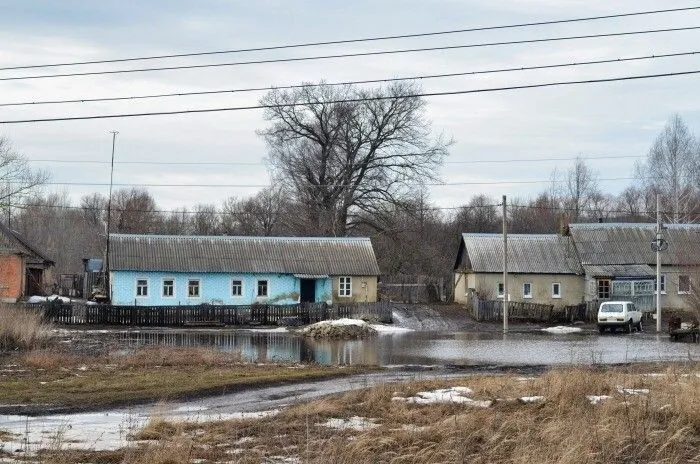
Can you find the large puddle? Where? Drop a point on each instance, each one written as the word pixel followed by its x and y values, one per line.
pixel 427 348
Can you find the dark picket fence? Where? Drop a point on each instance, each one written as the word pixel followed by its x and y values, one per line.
pixel 211 315
pixel 518 311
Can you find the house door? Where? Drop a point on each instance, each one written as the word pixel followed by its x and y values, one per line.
pixel 34 282
pixel 308 290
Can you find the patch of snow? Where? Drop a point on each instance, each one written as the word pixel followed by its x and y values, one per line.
pixel 444 395
pixel 34 299
pixel 525 379
pixel 632 391
pixel 654 375
pixel 595 399
pixel 269 330
pixel 354 423
pixel 243 440
pixel 388 329
pixel 560 329
pixel 531 399
pixel 283 460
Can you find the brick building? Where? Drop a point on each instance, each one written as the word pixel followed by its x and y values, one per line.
pixel 23 269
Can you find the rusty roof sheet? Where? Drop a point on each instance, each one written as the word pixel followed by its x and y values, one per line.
pixel 527 253
pixel 286 255
pixel 630 243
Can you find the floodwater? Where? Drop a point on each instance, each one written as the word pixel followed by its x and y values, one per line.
pixel 435 348
pixel 428 348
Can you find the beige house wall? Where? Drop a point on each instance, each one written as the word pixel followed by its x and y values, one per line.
pixel 670 298
pixel 364 290
pixel 486 285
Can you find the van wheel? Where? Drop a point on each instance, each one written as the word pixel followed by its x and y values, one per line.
pixel 639 326
pixel 629 327
pixel 601 329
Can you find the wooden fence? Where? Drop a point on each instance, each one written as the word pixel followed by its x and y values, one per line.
pixel 518 311
pixel 585 312
pixel 208 315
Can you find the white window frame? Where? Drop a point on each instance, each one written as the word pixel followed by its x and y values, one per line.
pixel 238 295
pixel 529 294
pixel 500 289
pixel 558 293
pixel 162 287
pixel 345 287
pixel 267 288
pixel 138 287
pixel 199 288
pixel 663 285
pixel 684 292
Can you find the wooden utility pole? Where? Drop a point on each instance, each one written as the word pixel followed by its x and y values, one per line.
pixel 505 267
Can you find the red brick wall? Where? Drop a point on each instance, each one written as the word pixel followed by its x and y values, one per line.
pixel 11 276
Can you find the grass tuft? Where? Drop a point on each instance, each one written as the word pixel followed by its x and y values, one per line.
pixel 22 328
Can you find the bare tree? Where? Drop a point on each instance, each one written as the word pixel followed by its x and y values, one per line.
pixel 343 150
pixel 579 188
pixel 18 180
pixel 671 169
pixel 134 211
pixel 94 208
pixel 205 220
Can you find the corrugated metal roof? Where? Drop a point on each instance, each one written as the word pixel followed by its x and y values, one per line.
pixel 13 242
pixel 527 253
pixel 619 270
pixel 287 255
pixel 629 243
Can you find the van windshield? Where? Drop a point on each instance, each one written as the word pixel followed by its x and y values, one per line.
pixel 612 308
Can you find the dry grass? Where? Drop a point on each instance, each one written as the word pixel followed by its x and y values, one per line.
pixel 75 381
pixel 662 425
pixel 22 328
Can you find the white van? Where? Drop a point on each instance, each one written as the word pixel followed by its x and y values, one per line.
pixel 623 314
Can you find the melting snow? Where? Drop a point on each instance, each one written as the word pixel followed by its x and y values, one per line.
pixel 531 399
pixel 595 399
pixel 444 395
pixel 354 423
pixel 632 391
pixel 560 329
pixel 387 329
pixel 43 299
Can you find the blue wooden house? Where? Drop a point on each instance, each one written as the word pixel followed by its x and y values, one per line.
pixel 164 270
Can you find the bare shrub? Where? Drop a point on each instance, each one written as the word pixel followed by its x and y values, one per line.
pixel 22 328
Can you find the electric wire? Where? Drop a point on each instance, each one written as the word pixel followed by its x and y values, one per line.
pixel 349 55
pixel 353 100
pixel 244 163
pixel 355 82
pixel 365 39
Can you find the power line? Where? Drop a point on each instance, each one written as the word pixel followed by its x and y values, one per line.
pixel 236 163
pixel 441 184
pixel 348 41
pixel 184 211
pixel 353 100
pixel 369 81
pixel 351 55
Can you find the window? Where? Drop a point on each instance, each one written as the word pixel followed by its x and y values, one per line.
pixel 168 288
pixel 683 284
pixel 142 288
pixel 603 288
pixel 236 288
pixel 193 288
pixel 527 290
pixel 500 289
pixel 663 284
pixel 262 287
pixel 556 290
pixel 345 286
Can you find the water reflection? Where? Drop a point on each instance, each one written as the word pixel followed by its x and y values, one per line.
pixel 426 348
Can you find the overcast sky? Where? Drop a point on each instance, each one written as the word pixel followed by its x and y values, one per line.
pixel 618 120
